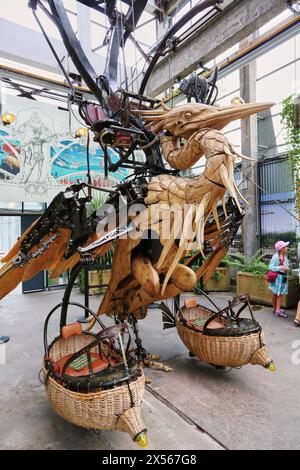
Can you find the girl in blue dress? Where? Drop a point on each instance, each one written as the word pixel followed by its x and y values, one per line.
pixel 280 265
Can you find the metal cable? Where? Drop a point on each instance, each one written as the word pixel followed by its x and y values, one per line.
pixel 123 53
pixel 54 52
pixel 134 35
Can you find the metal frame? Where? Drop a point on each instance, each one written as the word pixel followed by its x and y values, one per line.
pixel 115 104
pixel 76 52
pixel 171 32
pixel 102 87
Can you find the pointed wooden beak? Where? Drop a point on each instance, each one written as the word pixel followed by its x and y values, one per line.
pixel 226 114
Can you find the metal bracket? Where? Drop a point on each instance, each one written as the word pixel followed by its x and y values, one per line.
pixel 112 235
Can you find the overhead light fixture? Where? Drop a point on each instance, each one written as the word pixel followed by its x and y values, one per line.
pixel 8 118
pixel 81 132
pixel 237 100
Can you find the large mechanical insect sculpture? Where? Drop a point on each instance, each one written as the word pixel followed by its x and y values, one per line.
pixel 170 219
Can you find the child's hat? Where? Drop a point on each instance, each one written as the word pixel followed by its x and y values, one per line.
pixel 281 244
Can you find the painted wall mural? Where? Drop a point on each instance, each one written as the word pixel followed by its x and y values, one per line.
pixel 39 156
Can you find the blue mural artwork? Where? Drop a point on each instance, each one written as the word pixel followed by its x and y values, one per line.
pixel 69 161
pixel 9 151
pixel 37 161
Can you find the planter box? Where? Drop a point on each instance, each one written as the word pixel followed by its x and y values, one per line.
pixel 96 277
pixel 221 284
pixel 104 276
pixel 258 289
pixel 94 280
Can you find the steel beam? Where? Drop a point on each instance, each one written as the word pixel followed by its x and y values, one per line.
pixel 239 19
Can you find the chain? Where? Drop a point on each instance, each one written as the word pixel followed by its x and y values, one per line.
pixel 22 259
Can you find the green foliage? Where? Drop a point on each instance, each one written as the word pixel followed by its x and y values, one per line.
pixel 106 259
pixel 226 261
pixel 98 199
pixel 254 265
pixel 292 132
pixel 272 237
pixel 293 139
pixel 216 275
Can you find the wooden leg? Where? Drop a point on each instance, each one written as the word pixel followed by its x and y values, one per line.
pixel 149 362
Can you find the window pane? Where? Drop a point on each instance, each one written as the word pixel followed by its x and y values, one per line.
pixel 17 11
pixel 98 35
pixel 10 229
pixel 10 206
pixel 229 84
pixel 146 34
pixel 235 138
pixel 229 52
pixel 271 135
pixel 276 86
pixel 70 5
pixel 34 206
pixel 275 58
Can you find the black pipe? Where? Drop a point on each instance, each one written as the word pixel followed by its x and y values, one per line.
pixel 66 298
pixel 200 291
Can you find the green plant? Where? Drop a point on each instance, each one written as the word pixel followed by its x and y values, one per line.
pixel 106 259
pixel 269 239
pixel 226 261
pixel 292 129
pixel 98 199
pixel 216 275
pixel 254 265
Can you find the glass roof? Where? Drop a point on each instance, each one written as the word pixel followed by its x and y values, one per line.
pixel 144 35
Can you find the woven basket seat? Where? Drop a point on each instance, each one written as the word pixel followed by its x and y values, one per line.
pixel 118 407
pixel 226 340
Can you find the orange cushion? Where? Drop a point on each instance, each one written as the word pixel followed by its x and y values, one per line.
pixel 98 364
pixel 70 330
pixel 190 303
pixel 214 325
pixel 196 327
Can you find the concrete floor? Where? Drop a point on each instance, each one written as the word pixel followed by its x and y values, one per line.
pixel 193 407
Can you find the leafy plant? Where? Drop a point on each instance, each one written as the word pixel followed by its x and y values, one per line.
pixel 292 130
pixel 98 199
pixel 226 261
pixel 254 265
pixel 272 237
pixel 288 120
pixel 216 275
pixel 106 259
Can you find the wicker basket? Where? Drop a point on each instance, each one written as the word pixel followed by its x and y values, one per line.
pixel 221 350
pixel 116 408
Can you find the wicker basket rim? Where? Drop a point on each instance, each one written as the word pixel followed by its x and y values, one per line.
pixel 212 335
pixel 89 395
